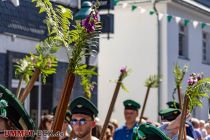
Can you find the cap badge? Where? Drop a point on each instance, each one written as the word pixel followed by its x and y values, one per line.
pixel 79 106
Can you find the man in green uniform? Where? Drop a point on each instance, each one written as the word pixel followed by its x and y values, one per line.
pixel 83 118
pixel 130 113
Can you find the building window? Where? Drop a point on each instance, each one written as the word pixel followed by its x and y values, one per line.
pixel 183 45
pixel 205 48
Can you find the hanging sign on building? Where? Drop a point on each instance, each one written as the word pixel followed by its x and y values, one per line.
pixel 23 20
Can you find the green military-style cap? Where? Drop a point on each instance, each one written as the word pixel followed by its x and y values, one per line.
pixel 169 114
pixel 147 131
pixel 68 114
pixel 173 104
pixel 81 105
pixel 131 104
pixel 13 110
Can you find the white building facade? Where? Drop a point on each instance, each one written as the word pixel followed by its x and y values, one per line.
pixel 135 45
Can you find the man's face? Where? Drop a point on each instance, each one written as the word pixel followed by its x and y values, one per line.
pixel 130 115
pixel 82 125
pixel 3 124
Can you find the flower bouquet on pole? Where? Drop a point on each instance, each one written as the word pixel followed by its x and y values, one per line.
pixel 179 75
pixel 197 88
pixel 123 75
pixel 82 39
pixel 43 60
pixel 151 82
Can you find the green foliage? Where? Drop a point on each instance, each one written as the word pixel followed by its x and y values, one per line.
pixel 24 68
pixel 47 64
pixel 196 92
pixel 179 74
pixel 58 23
pixel 124 73
pixel 82 43
pixel 79 42
pixel 152 81
pixel 57 20
pixel 86 75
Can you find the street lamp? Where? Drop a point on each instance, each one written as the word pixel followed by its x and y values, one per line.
pixel 85 10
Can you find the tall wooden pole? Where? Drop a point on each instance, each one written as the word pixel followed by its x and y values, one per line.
pixel 180 104
pixel 30 85
pixel 144 105
pixel 63 104
pixel 19 87
pixel 183 117
pixel 111 107
pixel 179 96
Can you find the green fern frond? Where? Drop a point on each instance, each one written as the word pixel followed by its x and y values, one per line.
pixel 58 23
pixel 197 92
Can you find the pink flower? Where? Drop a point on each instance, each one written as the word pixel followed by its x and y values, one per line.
pixel 194 78
pixel 123 70
pixel 190 81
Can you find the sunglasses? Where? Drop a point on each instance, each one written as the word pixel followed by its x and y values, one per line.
pixel 78 122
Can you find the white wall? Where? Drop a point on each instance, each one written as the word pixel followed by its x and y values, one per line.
pixel 195 51
pixel 24 45
pixel 133 45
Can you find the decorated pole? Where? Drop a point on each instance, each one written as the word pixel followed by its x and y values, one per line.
pixel 151 82
pixel 197 88
pixel 83 37
pixel 23 71
pixel 179 75
pixel 43 61
pixel 123 74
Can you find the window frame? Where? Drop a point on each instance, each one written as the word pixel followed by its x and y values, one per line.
pixel 206 48
pixel 183 45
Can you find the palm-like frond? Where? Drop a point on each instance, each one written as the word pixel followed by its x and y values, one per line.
pixel 197 92
pixel 24 69
pixel 58 20
pixel 179 73
pixel 152 81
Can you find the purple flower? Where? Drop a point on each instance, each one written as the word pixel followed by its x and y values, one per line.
pixel 89 22
pixel 194 78
pixel 190 81
pixel 96 17
pixel 123 70
pixel 199 76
